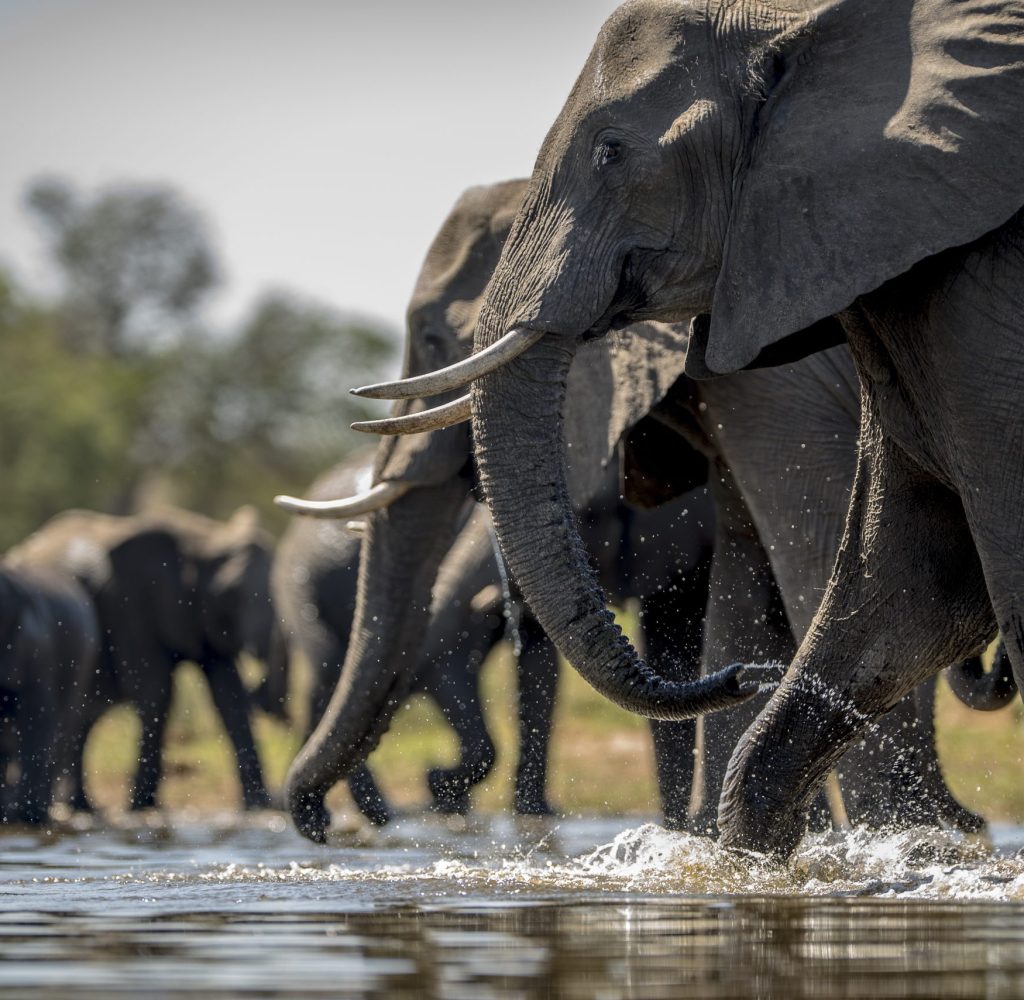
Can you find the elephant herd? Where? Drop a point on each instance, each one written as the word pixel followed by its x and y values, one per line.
pixel 771 249
pixel 746 348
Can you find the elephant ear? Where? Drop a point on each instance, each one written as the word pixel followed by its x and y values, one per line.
pixel 893 133
pixel 614 382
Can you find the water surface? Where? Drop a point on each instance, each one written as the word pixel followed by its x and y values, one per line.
pixel 489 908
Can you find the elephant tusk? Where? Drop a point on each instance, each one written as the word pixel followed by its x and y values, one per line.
pixel 457 375
pixel 455 412
pixel 380 496
pixel 356 527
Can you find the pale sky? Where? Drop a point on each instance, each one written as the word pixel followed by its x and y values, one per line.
pixel 325 141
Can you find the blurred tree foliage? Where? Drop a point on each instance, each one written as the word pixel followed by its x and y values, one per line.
pixel 135 263
pixel 116 394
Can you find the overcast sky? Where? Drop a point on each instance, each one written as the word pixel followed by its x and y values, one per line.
pixel 325 141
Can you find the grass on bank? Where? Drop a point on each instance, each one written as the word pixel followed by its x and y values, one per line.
pixel 601 759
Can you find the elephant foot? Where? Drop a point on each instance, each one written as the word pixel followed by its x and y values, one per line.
pixel 80 803
pixel 310 815
pixel 449 792
pixel 962 819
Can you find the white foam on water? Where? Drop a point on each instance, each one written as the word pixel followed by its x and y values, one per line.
pixel 921 863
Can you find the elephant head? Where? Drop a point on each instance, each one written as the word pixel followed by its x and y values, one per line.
pixel 421 484
pixel 412 509
pixel 737 167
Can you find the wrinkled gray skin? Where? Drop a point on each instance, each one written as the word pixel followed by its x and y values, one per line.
pixel 313 582
pixel 314 589
pixel 765 167
pixel 49 643
pixel 167 587
pixel 782 443
pixel 748 619
pixel 404 544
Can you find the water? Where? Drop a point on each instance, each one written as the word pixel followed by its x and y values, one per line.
pixel 243 907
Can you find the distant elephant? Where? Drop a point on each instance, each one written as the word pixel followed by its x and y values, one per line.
pixel 610 394
pixel 787 176
pixel 167 587
pixel 314 588
pixel 49 642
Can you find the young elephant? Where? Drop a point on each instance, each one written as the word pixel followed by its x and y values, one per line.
pixel 314 587
pixel 167 587
pixel 49 642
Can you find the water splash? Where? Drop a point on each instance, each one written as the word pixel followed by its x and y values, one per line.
pixel 922 863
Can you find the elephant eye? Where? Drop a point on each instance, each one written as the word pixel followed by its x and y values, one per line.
pixel 608 152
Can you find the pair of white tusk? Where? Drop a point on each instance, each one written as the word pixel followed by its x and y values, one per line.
pixel 455 412
pixel 380 496
pixel 457 375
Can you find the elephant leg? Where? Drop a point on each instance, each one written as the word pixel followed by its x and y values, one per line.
pixel 368 797
pixel 232 703
pixel 325 654
pixel 673 629
pixel 454 684
pixel 538 685
pixel 82 719
pixel 746 623
pixel 153 707
pixel 907 598
pixel 893 777
pixel 37 717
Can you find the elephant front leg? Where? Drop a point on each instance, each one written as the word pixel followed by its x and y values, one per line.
pixel 538 686
pixel 673 629
pixel 153 705
pixel 893 778
pixel 746 623
pixel 906 598
pixel 232 703
pixel 368 797
pixel 37 716
pixel 454 683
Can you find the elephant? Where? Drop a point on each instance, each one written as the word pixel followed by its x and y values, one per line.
pixel 314 589
pixel 313 583
pixel 167 586
pixel 630 394
pixel 772 179
pixel 49 643
pixel 413 513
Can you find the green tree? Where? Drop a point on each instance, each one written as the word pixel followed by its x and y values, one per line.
pixel 134 263
pixel 67 423
pixel 265 410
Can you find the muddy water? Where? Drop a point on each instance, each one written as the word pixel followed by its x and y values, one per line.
pixel 573 908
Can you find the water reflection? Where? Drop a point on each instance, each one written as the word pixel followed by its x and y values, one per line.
pixel 620 948
pixel 487 911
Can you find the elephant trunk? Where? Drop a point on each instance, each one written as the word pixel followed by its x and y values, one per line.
pixel 402 549
pixel 517 428
pixel 981 690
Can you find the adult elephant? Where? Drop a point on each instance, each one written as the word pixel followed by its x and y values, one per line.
pixel 413 512
pixel 612 391
pixel 472 609
pixel 789 175
pixel 49 642
pixel 167 587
